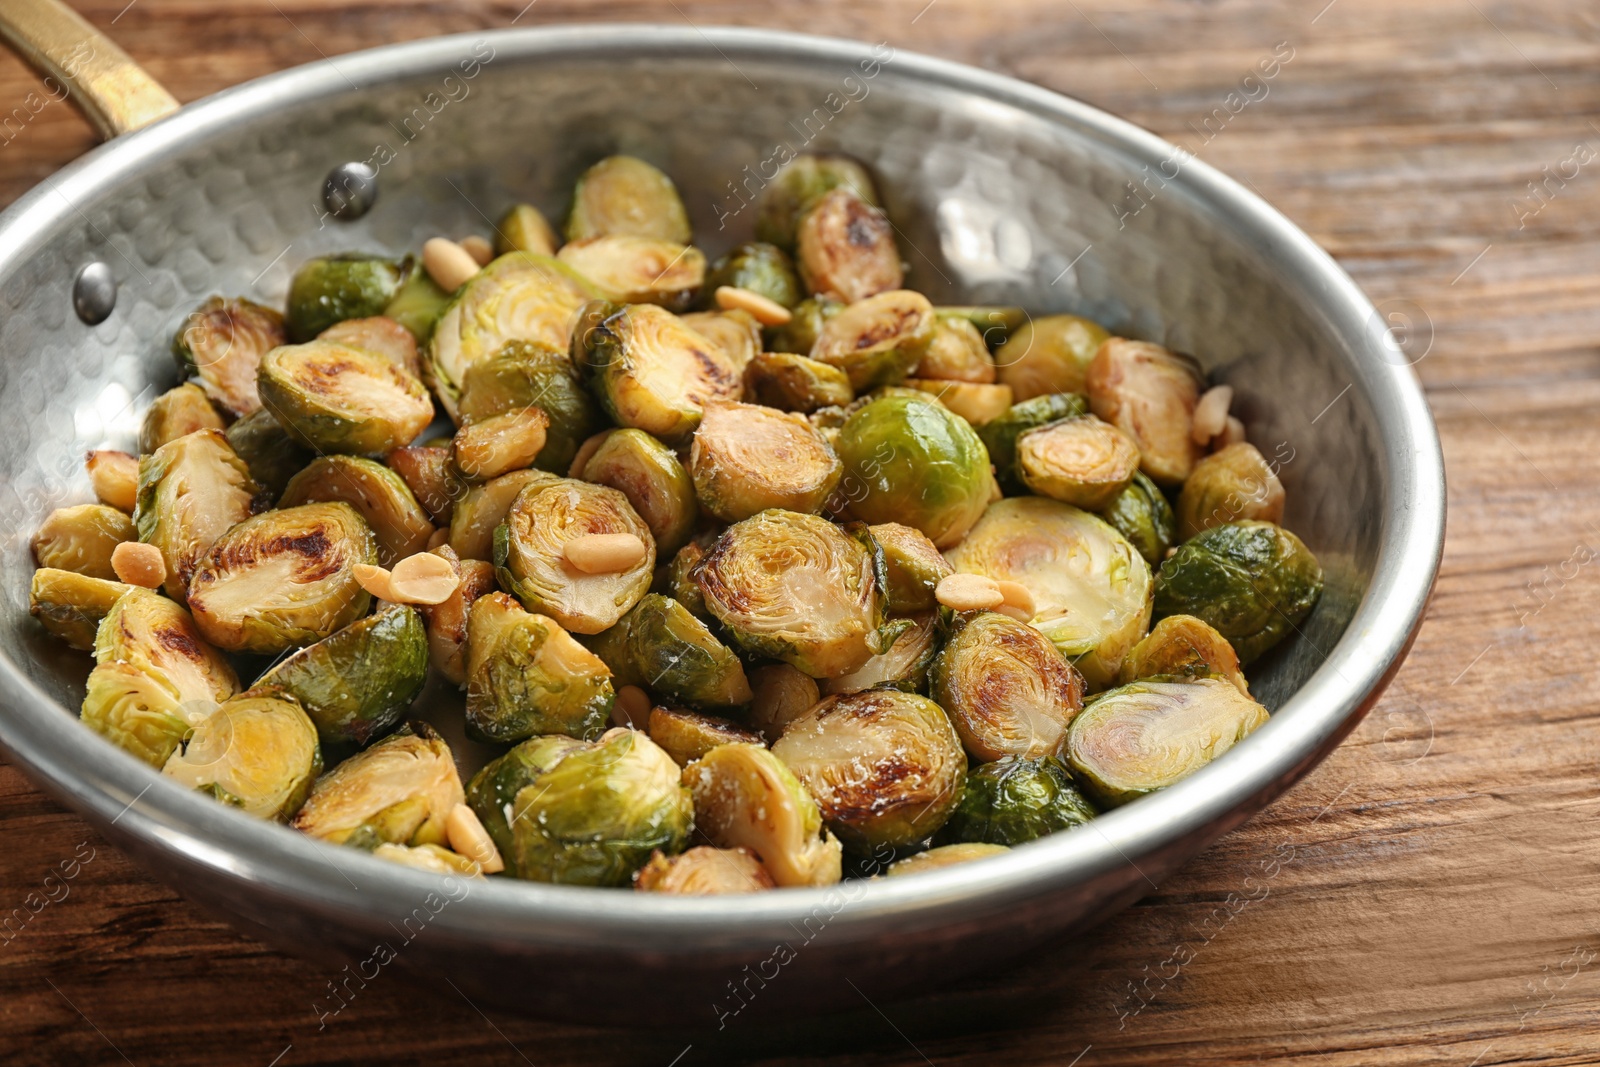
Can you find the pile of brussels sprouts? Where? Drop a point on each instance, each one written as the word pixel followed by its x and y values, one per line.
pixel 760 572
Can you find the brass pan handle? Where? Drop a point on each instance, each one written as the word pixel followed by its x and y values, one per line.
pixel 113 91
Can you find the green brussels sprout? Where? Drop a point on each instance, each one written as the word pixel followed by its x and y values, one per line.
pixel 877 340
pixel 1016 800
pixel 1006 687
pixel 1149 393
pixel 1142 515
pixel 70 605
pixel 759 267
pixel 796 588
pixel 1232 484
pixel 1182 646
pixel 257 752
pixel 791 382
pixel 176 413
pixel 651 371
pixel 956 352
pixel 483 508
pixel 780 694
pixel 283 578
pixel 745 797
pixel 526 374
pixel 746 458
pixel 270 454
pixel 531 564
pixel 735 331
pixel 912 567
pixel 1049 355
pixel 979 404
pixel 801 183
pixel 995 324
pixel 648 473
pixel 379 495
pixel 417 305
pixel 625 195
pixel 944 856
pixel 518 297
pixel 799 334
pixel 1152 733
pixel 523 228
pixel 661 646
pixel 639 270
pixel 1082 461
pixel 495 786
pixel 527 676
pixel 447 621
pixel 380 335
pixel 138 713
pixel 434 482
pixel 357 682
pixel 1000 434
pixel 330 289
pixel 885 767
pixel 190 492
pixel 333 398
pixel 704 871
pixel 433 858
pixel 400 791
pixel 222 342
pixel 81 539
pixel 845 246
pixel 1252 581
pixel 688 735
pixel 1090 587
pixel 677 579
pixel 904 666
pixel 909 460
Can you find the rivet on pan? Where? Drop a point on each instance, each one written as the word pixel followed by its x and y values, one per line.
pixel 94 294
pixel 350 190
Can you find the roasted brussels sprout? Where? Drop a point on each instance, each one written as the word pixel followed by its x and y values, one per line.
pixel 1150 394
pixel 1016 800
pixel 272 456
pixel 434 858
pixel 978 404
pixel 661 646
pixel 1090 588
pixel 447 621
pixel 400 791
pixel 484 449
pixel 1049 355
pixel 1182 646
pixel 523 228
pixel 483 507
pixel 800 333
pixel 283 578
pixel 432 478
pixel 648 473
pixel 379 495
pixel 1000 434
pixel 1226 486
pixel 759 267
pixel 257 752
pixel 845 246
pixel 885 767
pixel 624 195
pixel 911 461
pixel 330 289
pixel 688 735
pixel 530 561
pixel 796 588
pixel 222 343
pixel 877 340
pixel 333 398
pixel 912 567
pixel 527 676
pixel 114 476
pixel 994 323
pixel 1142 515
pixel 791 382
pixel 190 492
pixel 81 539
pixel 417 305
pixel 746 458
pixel 736 332
pixel 1006 688
pixel 1149 734
pixel 956 352
pixel 70 605
pixel 905 666
pixel 651 371
pixel 702 871
pixel 780 694
pixel 800 184
pixel 1083 461
pixel 358 682
pixel 526 374
pixel 744 797
pixel 1252 581
pixel 944 856
pixel 380 335
pixel 639 270
pixel 174 414
pixel 138 713
pixel 676 578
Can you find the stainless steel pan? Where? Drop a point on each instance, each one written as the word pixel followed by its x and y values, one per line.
pixel 1003 192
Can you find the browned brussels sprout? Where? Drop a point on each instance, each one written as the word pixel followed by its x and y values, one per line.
pixel 1000 434
pixel 417 304
pixel 780 694
pixel 639 270
pixel 845 246
pixel 431 477
pixel 736 332
pixel 1049 355
pixel 81 539
pixel 174 414
pixel 799 334
pixel 190 492
pixel 1226 486
pixel 400 791
pixel 484 449
pixel 484 507
pixel 527 676
pixel 525 374
pixel 703 871
pixel 1006 687
pixel 333 398
pixel 330 289
pixel 70 605
pixel 760 268
pixel 995 323
pixel 956 352
pixel 272 456
pixel 800 184
pixel 912 567
pixel 661 646
pixel 978 404
pixel 447 621
pixel 1182 646
pixel 625 195
pixel 688 735
pixel 905 666
pixel 222 343
pixel 257 752
pixel 651 371
pixel 878 340
pixel 746 458
pixel 379 495
pixel 944 856
pixel 381 336
pixel 649 474
pixel 791 382
pixel 744 797
pixel 1083 461
pixel 115 477
pixel 1149 393
pixel 523 228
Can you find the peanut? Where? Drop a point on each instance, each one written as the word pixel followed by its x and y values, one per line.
pixel 767 312
pixel 441 536
pixel 1211 413
pixel 447 263
pixel 422 579
pixel 632 707
pixel 479 249
pixel 1018 599
pixel 1233 434
pixel 139 564
pixel 604 553
pixel 115 477
pixel 374 580
pixel 968 592
pixel 468 838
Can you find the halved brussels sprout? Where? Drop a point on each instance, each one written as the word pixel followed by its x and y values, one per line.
pixel 702 871
pixel 358 682
pixel 175 413
pixel 651 371
pixel 1149 393
pixel 70 605
pixel 333 398
pixel 1014 801
pixel 257 752
pixel 780 694
pixel 791 382
pixel 845 246
pixel 81 539
pixel 744 797
pixel 1252 581
pixel 526 374
pixel 447 621
pixel 877 340
pixel 625 195
pixel 746 458
pixel 434 858
pixel 956 352
pixel 190 492
pixel 484 449
pixel 330 289
pixel 379 495
pixel 799 185
pixel 137 713
pixel 799 334
pixel 1234 483
pixel 905 666
pixel 978 404
pixel 114 476
pixel 912 567
pixel 1142 515
pixel 667 650
pixel 222 342
pixel 648 473
pixel 527 676
pixel 1152 733
pixel 400 791
pixel 417 304
pixel 735 331
pixel 523 228
pixel 759 267
pixel 1000 434
pixel 1182 646
pixel 796 588
pixel 944 856
pixel 530 563
pixel 1083 461
pixel 483 508
pixel 1006 688
pixel 1049 355
pixel 272 456
pixel 1090 588
pixel 994 323
pixel 885 767
pixel 639 270
pixel 688 735
pixel 283 578
pixel 432 478
pixel 909 460
pixel 677 579
pixel 380 335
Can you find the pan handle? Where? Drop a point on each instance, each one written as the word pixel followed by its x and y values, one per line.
pixel 113 91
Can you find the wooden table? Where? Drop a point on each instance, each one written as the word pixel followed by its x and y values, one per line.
pixel 1430 891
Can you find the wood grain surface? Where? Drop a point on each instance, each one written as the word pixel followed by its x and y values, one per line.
pixel 1427 896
